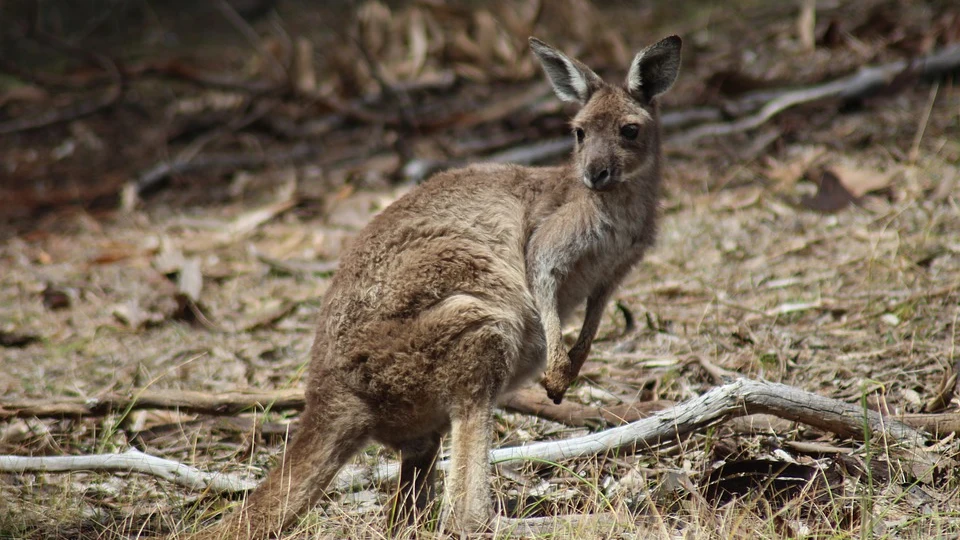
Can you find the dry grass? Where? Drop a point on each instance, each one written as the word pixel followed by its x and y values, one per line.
pixel 861 305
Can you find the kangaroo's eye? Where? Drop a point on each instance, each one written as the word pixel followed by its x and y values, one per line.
pixel 630 131
pixel 580 134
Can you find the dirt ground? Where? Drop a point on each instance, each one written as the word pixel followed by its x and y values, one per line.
pixel 821 250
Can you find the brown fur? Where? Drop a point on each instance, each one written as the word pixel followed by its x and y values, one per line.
pixel 455 294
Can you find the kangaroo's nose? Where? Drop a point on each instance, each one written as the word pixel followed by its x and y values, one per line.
pixel 599 180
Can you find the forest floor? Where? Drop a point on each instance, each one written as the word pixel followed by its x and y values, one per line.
pixel 820 250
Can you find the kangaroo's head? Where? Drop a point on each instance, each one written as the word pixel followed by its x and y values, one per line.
pixel 617 130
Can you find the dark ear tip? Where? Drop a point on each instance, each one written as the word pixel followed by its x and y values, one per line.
pixel 534 42
pixel 673 41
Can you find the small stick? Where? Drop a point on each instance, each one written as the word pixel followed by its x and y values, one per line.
pixel 915 148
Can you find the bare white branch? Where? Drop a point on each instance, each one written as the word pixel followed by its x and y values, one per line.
pixel 132 460
pixel 739 398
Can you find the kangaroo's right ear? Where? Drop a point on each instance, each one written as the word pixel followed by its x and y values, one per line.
pixel 571 80
pixel 654 69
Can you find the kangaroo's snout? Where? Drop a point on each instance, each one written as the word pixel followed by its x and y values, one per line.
pixel 600 178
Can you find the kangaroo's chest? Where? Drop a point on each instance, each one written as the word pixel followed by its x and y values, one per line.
pixel 604 265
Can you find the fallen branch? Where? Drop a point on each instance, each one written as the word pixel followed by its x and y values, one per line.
pixel 298 267
pixel 176 69
pixel 535 402
pixel 130 461
pixel 527 401
pixel 937 424
pixel 740 398
pixel 76 110
pixel 280 71
pixel 859 84
pixel 229 403
pixel 530 154
pixel 149 178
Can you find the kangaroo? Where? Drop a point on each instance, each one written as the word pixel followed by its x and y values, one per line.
pixel 455 293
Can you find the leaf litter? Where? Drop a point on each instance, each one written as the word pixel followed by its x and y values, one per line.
pixel 746 278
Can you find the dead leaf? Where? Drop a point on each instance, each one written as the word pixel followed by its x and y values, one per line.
pixel 25 93
pixel 114 252
pixel 373 19
pixel 788 172
pixel 133 315
pixel 304 75
pixel 945 391
pixel 831 195
pixel 250 221
pixel 806 24
pixel 190 279
pixel 170 257
pixel 737 199
pixel 861 180
pixel 14 339
pixel 485 29
pixel 418 43
pixel 246 223
pixel 520 18
pixel 55 298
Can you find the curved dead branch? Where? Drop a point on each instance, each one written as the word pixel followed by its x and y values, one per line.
pixel 740 398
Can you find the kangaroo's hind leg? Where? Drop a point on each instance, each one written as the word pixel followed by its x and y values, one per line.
pixel 488 358
pixel 417 481
pixel 468 481
pixel 333 429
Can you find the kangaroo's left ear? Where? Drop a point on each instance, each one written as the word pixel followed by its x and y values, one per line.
pixel 571 80
pixel 654 69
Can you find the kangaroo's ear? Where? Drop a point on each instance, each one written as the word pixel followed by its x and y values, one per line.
pixel 571 80
pixel 654 69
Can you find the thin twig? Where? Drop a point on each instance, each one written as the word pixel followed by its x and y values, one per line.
pixel 918 138
pixel 77 110
pixel 862 82
pixel 149 178
pixel 279 71
pixel 396 94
